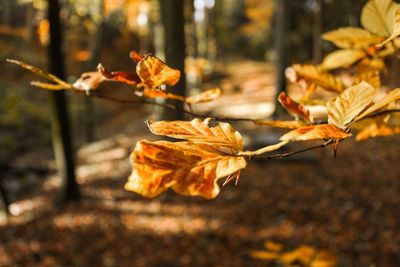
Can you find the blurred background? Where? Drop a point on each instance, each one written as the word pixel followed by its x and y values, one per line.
pixel 81 216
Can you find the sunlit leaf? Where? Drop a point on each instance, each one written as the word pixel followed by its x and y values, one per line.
pixel 316 75
pixel 209 131
pixel 205 96
pixel 371 77
pixel 281 124
pixel 315 132
pixel 378 16
pixel 155 93
pixel 392 96
pixel 343 109
pixel 154 73
pixel 395 30
pixel 187 168
pixel 377 129
pixel 343 58
pixel 351 37
pixel 294 108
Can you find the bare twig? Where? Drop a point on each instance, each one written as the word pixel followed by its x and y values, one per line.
pixel 285 155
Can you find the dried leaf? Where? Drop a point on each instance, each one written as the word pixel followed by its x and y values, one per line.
pixel 371 77
pixel 351 37
pixel 377 129
pixel 378 16
pixel 393 95
pixel 281 124
pixel 396 28
pixel 343 58
pixel 295 108
pixel 89 81
pixel 205 96
pixel 135 56
pixel 155 93
pixel 187 168
pixel 318 76
pixel 154 73
pixel 343 109
pixel 209 132
pixel 315 132
pixel 129 78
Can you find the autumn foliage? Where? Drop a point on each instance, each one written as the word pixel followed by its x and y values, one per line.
pixel 209 150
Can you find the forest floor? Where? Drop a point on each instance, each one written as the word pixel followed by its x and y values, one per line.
pixel 347 205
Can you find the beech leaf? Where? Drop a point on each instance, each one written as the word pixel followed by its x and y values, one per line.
pixel 153 73
pixel 295 108
pixel 209 131
pixel 315 132
pixel 343 58
pixel 315 75
pixel 378 16
pixel 343 109
pixel 351 37
pixel 205 96
pixel 396 28
pixel 187 168
pixel 392 96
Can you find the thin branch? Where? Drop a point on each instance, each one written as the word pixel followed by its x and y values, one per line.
pixel 164 105
pixel 285 155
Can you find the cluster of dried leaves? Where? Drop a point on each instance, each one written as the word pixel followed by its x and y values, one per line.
pixel 211 150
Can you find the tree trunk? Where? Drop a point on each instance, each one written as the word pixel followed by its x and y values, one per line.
pixel 174 40
pixel 282 48
pixel 60 119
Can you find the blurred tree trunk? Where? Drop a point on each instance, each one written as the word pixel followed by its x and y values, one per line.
pixel 282 48
pixel 317 31
pixel 174 46
pixel 4 197
pixel 60 119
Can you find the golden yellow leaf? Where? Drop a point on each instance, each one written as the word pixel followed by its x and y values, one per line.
pixel 377 129
pixel 393 95
pixel 154 73
pixel 209 132
pixel 280 124
pixel 303 254
pixel 318 76
pixel 343 58
pixel 187 168
pixel 294 108
pixel 315 132
pixel 343 109
pixel 372 77
pixel 265 255
pixel 351 37
pixel 273 246
pixel 378 16
pixel 396 28
pixel 154 93
pixel 205 96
